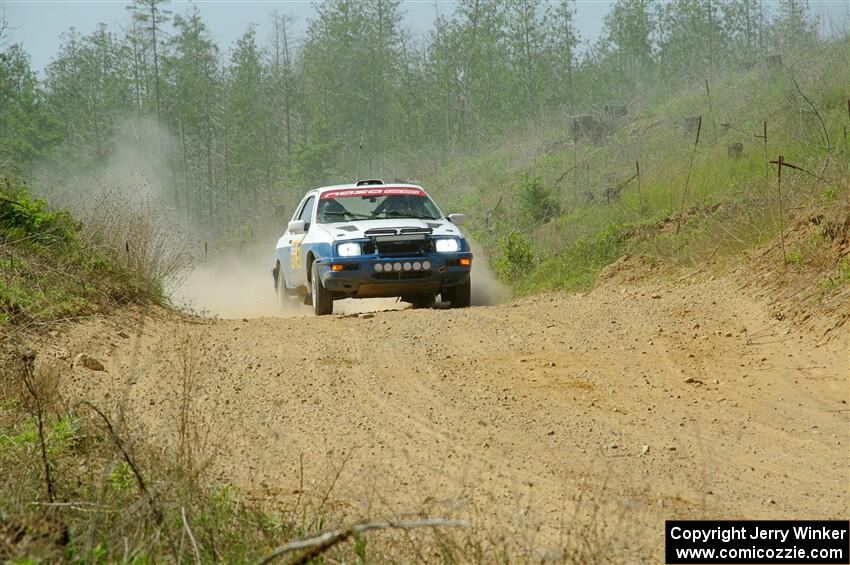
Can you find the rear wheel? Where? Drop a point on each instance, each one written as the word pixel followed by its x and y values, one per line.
pixel 281 291
pixel 323 302
pixel 460 296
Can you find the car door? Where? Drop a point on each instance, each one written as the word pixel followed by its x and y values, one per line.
pixel 291 252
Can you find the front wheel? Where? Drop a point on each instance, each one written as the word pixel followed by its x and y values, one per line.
pixel 461 295
pixel 323 302
pixel 421 300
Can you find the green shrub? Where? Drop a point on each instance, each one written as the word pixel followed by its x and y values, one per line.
pixel 537 201
pixel 24 218
pixel 577 268
pixel 829 194
pixel 794 255
pixel 516 258
pixel 841 276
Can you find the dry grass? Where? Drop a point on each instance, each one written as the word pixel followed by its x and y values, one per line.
pixel 119 495
pixel 140 237
pixel 811 275
pixel 53 267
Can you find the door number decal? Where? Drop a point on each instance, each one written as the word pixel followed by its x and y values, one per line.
pixel 296 254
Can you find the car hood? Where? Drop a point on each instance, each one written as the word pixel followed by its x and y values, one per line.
pixel 341 231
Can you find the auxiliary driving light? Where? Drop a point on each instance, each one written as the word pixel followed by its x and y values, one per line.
pixel 417 266
pixel 407 266
pixel 379 267
pixel 426 265
pixel 396 266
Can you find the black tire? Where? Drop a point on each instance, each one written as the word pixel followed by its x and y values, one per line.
pixel 461 295
pixel 283 294
pixel 447 294
pixel 421 300
pixel 323 300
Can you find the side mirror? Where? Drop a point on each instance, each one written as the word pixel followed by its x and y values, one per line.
pixel 457 219
pixel 295 227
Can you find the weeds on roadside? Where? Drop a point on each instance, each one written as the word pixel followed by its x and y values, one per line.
pixel 840 277
pixel 140 238
pixel 516 258
pixel 53 266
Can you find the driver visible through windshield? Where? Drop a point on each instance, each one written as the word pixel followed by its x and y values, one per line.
pixel 375 204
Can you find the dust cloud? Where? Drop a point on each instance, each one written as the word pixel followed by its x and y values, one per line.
pixel 240 285
pixel 235 285
pixel 135 167
pixel 486 288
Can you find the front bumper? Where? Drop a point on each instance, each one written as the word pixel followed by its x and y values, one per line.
pixel 398 276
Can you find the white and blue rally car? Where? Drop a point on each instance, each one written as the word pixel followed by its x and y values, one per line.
pixel 368 240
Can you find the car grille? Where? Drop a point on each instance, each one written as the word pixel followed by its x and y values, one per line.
pixel 400 242
pixel 404 248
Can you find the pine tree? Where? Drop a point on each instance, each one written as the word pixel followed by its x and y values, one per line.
pixel 26 130
pixel 192 89
pixel 484 67
pixel 443 90
pixel 629 28
pixel 526 37
pixel 564 41
pixel 793 26
pixel 152 16
pixel 88 93
pixel 743 28
pixel 247 114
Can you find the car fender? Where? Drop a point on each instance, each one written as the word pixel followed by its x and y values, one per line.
pixel 318 243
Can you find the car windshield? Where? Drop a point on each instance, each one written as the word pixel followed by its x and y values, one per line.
pixel 375 204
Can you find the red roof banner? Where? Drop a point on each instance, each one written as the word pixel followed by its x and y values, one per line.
pixel 372 191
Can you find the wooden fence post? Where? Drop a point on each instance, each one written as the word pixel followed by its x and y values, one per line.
pixel 779 165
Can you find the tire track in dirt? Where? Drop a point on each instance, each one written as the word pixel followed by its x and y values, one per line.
pixel 635 402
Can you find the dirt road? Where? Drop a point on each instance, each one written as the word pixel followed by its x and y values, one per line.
pixel 606 412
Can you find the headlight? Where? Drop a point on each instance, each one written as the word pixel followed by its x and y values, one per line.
pixel 348 249
pixel 447 245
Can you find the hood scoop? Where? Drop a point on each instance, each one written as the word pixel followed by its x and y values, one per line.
pixel 380 231
pixel 377 232
pixel 346 228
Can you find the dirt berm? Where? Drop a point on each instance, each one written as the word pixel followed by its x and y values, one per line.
pixel 603 413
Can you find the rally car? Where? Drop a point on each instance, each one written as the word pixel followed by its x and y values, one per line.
pixel 371 239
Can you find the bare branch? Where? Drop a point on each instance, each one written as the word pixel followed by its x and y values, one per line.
pixel 317 545
pixel 815 110
pixel 688 178
pixel 798 168
pixel 191 536
pixel 80 506
pixel 568 171
pixel 129 460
